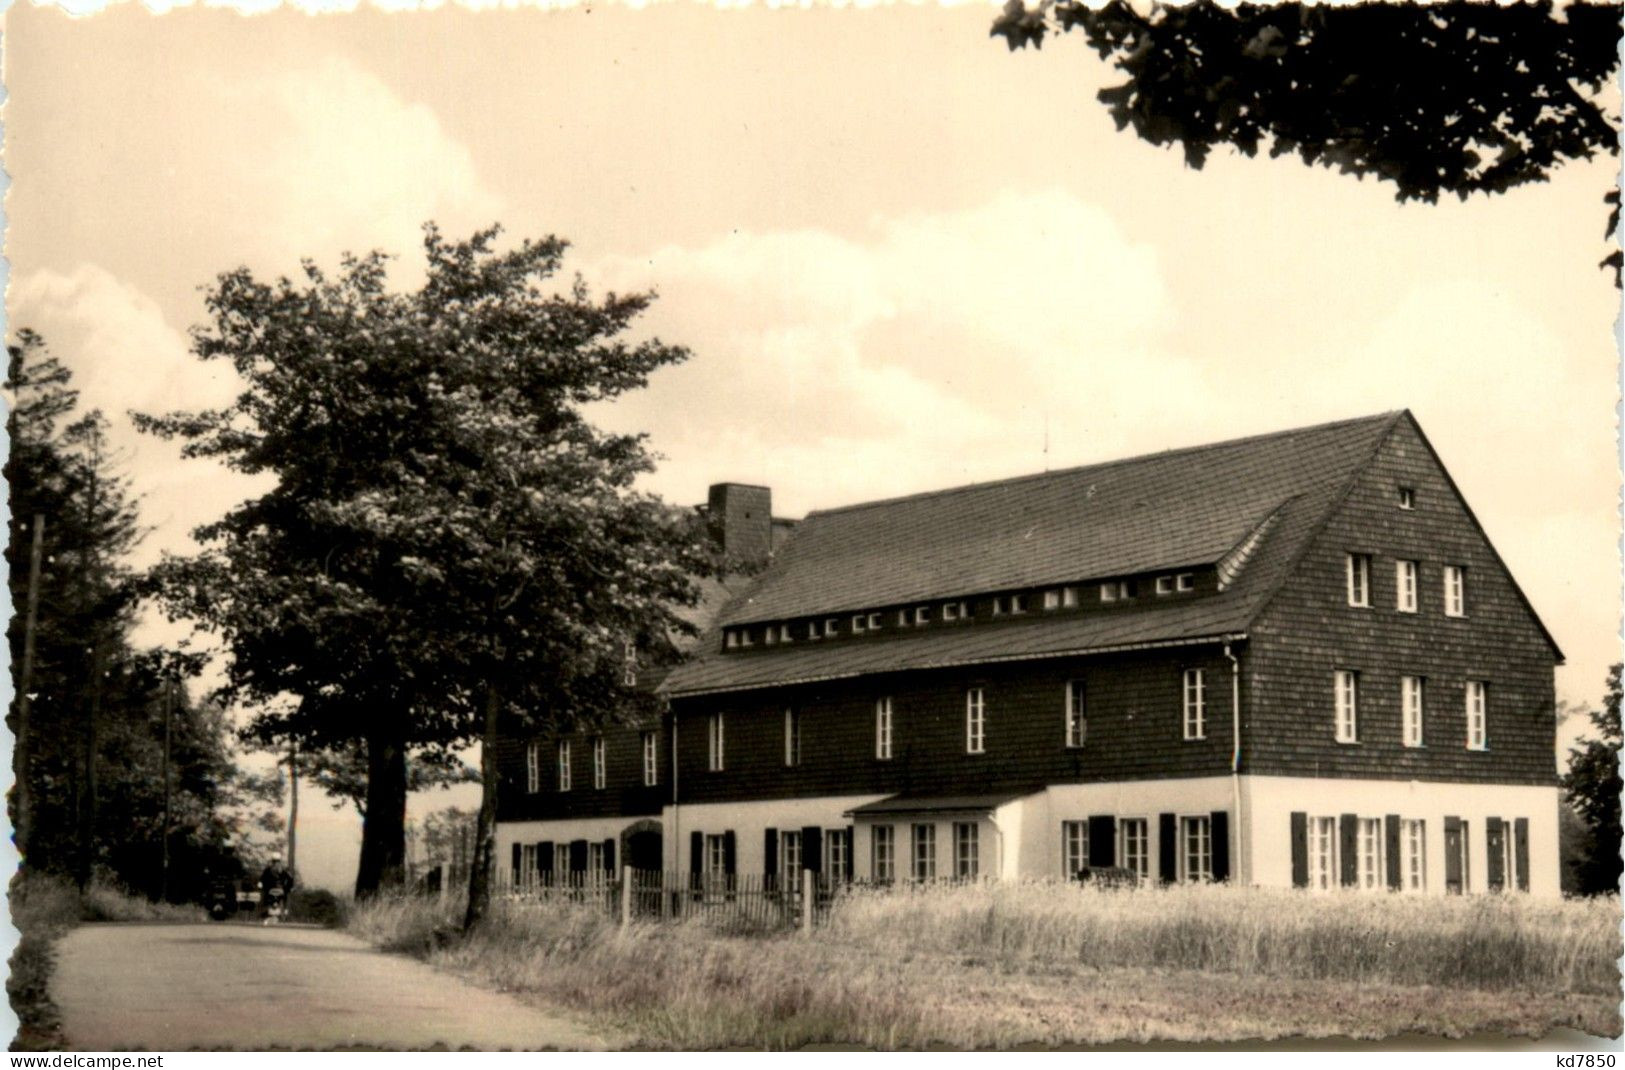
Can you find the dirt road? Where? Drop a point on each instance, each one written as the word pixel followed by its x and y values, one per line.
pixel 179 987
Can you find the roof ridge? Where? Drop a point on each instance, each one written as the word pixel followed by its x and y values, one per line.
pixel 1390 416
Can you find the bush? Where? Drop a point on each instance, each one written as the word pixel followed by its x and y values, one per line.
pixel 317 906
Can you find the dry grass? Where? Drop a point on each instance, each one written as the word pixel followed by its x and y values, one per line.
pixel 1000 965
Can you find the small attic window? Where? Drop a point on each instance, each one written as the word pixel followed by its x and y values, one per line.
pixel 744 637
pixel 812 630
pixel 1117 591
pixel 730 638
pixel 1165 585
pixel 998 605
pixel 770 636
pixel 902 618
pixel 1185 581
pixel 784 633
pixel 832 627
pixel 954 611
pixel 1069 597
pixel 857 624
pixel 1407 497
pixel 874 622
pixel 1052 599
pixel 922 614
pixel 1018 603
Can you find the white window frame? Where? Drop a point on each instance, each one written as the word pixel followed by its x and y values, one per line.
pixel 998 605
pixel 1413 705
pixel 784 633
pixel 1357 568
pixel 1346 698
pixel 744 637
pixel 1413 855
pixel 595 856
pixel 1018 604
pixel 1477 700
pixel 730 638
pixel 1074 848
pixel 1052 599
pixel 922 615
pixel 1406 579
pixel 1509 858
pixel 837 850
pixel 564 765
pixel 975 721
pixel 922 851
pixel 951 611
pixel 1370 840
pixel 1069 598
pixel 529 867
pixel 1407 498
pixel 832 627
pixel 1185 581
pixel 716 743
pixel 967 850
pixel 561 859
pixel 716 856
pixel 812 630
pixel 874 622
pixel 858 623
pixel 1196 848
pixel 790 858
pixel 792 736
pixel 533 767
pixel 1455 591
pixel 1077 713
pixel 769 635
pixel 600 762
pixel 651 759
pixel 1134 846
pixel 1165 585
pixel 1193 704
pixel 883 853
pixel 1325 872
pixel 883 728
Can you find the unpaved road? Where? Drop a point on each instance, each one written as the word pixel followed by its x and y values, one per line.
pixel 217 986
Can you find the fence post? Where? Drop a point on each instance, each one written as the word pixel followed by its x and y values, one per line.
pixel 626 896
pixel 809 888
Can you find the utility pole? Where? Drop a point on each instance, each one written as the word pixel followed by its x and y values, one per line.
pixel 293 806
pixel 25 688
pixel 169 715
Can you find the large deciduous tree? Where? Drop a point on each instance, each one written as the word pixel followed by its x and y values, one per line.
pixel 1592 785
pixel 448 540
pixel 1459 97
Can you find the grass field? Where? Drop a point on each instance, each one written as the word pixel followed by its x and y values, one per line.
pixel 998 965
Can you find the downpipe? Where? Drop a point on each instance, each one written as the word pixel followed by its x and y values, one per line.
pixel 1235 768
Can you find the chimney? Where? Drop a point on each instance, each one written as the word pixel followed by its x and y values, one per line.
pixel 741 518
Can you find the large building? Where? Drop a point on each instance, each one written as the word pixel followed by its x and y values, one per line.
pixel 1293 659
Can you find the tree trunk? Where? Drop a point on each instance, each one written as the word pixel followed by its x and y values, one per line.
pixel 93 716
pixel 383 826
pixel 23 819
pixel 293 806
pixel 481 871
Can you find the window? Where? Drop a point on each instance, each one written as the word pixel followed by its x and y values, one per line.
pixel 812 630
pixel 1119 591
pixel 832 627
pixel 1407 498
pixel 925 852
pixel 1477 730
pixel 1370 868
pixel 651 760
pixel 1018 603
pixel 1323 870
pixel 784 633
pixel 1074 847
pixel 716 857
pixel 533 767
pixel 1195 704
pixel 790 858
pixel 1347 687
pixel 561 858
pixel 1185 581
pixel 1511 880
pixel 744 637
pixel 730 638
pixel 1076 722
pixel 1359 578
pixel 883 728
pixel 792 736
pixel 837 853
pixel 1410 700
pixel 1135 848
pixel 595 856
pixel 884 842
pixel 965 850
pixel 1052 599
pixel 955 611
pixel 1069 597
pixel 564 765
pixel 922 614
pixel 1165 585
pixel 599 773
pixel 1413 856
pixel 714 755
pixel 874 622
pixel 998 605
pixel 527 863
pixel 1196 848
pixel 770 637
pixel 975 722
pixel 1455 591
pixel 857 624
pixel 1405 586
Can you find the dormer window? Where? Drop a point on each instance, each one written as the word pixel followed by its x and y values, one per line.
pixel 1407 497
pixel 1185 581
pixel 1069 597
pixel 955 611
pixel 874 622
pixel 812 630
pixel 1117 591
pixel 858 624
pixel 784 633
pixel 832 628
pixel 1165 585
pixel 770 636
pixel 1018 603
pixel 1052 599
pixel 922 614
pixel 998 605
pixel 902 618
pixel 744 637
pixel 730 638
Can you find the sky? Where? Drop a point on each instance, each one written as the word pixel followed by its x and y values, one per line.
pixel 902 257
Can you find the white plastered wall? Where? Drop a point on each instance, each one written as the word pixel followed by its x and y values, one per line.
pixel 563 830
pixel 1040 844
pixel 749 820
pixel 1269 802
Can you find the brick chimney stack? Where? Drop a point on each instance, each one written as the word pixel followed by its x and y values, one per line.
pixel 741 518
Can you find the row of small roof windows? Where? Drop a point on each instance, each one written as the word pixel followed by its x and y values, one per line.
pixel 1003 605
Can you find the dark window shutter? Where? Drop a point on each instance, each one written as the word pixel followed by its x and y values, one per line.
pixel 1520 848
pixel 1494 837
pixel 1167 848
pixel 770 858
pixel 1392 830
pixel 544 856
pixel 696 852
pixel 1349 827
pixel 1102 841
pixel 812 848
pixel 518 853
pixel 578 856
pixel 1219 837
pixel 851 845
pixel 730 853
pixel 1452 859
pixel 609 855
pixel 1300 849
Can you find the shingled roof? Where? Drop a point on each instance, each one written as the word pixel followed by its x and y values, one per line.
pixel 1165 511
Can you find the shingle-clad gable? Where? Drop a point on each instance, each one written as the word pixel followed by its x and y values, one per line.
pixel 1182 508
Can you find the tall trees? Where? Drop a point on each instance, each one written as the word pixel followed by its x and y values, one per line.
pixel 448 540
pixel 1592 785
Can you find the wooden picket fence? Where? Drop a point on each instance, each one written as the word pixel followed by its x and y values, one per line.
pixel 751 902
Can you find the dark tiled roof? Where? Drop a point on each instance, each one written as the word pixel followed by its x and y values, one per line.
pixel 1163 511
pixel 937 804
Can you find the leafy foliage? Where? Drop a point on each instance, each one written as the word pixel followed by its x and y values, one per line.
pixel 1592 785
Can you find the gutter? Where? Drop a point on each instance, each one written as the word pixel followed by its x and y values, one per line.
pixel 1156 644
